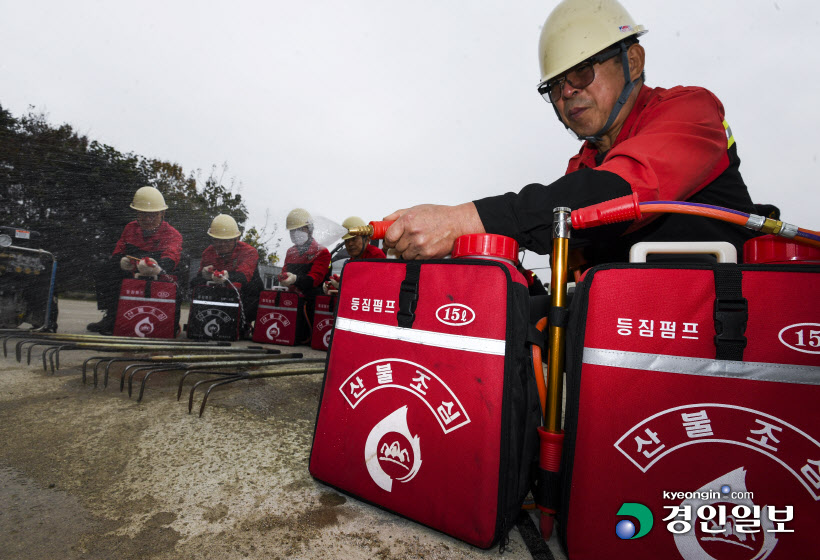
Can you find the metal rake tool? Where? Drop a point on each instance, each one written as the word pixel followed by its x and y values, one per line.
pixel 226 379
pixel 52 353
pixel 209 355
pixel 314 366
pixel 32 337
pixel 218 364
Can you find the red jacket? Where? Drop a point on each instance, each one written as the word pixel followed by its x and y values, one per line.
pixel 667 131
pixel 371 252
pixel 674 145
pixel 240 264
pixel 310 267
pixel 164 246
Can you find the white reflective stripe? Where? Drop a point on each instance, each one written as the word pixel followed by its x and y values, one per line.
pixel 277 308
pixel 155 300
pixel 215 303
pixel 428 338
pixel 759 371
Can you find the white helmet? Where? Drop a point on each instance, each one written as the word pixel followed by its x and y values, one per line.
pixel 352 221
pixel 577 29
pixel 298 218
pixel 148 199
pixel 224 227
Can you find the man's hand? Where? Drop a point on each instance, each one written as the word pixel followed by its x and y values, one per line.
pixel 429 231
pixel 127 264
pixel 148 267
pixel 208 272
pixel 331 285
pixel 287 279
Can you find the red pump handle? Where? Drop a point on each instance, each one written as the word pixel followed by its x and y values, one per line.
pixel 623 209
pixel 380 228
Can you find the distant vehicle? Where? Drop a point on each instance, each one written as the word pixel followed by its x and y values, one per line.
pixel 27 278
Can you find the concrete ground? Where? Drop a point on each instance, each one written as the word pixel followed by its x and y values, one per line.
pixel 90 473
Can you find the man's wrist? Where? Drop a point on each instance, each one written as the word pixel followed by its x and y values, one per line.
pixel 467 220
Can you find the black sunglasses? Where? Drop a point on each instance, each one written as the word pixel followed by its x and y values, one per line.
pixel 578 77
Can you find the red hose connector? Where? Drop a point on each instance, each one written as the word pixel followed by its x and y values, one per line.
pixel 551 446
pixel 380 228
pixel 549 460
pixel 623 209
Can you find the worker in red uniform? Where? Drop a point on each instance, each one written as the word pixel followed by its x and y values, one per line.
pixel 228 261
pixel 149 246
pixel 662 144
pixel 306 263
pixel 357 247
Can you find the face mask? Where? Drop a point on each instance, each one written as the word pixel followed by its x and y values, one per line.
pixel 299 237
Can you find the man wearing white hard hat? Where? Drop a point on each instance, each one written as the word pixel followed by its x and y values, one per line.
pixel 357 247
pixel 306 262
pixel 660 144
pixel 149 246
pixel 228 261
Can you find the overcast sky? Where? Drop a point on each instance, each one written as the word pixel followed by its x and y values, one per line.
pixel 366 106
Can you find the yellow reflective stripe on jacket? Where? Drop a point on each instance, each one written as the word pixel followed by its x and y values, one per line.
pixel 730 139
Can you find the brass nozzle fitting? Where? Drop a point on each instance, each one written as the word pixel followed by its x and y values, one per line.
pixel 365 231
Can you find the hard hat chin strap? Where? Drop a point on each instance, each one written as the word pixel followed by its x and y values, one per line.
pixel 625 93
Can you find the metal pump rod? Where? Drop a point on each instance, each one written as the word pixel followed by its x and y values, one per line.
pixel 557 334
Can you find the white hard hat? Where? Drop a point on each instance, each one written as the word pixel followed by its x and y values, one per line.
pixel 577 29
pixel 224 227
pixel 352 221
pixel 298 218
pixel 148 199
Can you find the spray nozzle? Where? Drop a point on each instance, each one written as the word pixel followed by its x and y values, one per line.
pixel 373 230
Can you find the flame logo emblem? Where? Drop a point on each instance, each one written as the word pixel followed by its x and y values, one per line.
pixel 388 452
pixel 273 331
pixel 144 327
pixel 392 453
pixel 211 327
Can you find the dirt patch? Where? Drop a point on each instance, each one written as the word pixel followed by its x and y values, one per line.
pixel 36 520
pixel 216 513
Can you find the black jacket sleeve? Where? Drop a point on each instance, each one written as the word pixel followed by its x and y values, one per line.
pixel 304 282
pixel 527 216
pixel 167 265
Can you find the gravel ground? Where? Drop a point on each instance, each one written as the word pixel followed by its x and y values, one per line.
pixel 90 473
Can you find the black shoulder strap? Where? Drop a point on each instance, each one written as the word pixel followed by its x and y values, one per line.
pixel 532 537
pixel 409 295
pixel 731 313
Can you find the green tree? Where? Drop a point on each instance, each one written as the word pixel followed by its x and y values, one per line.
pixel 77 193
pixel 68 188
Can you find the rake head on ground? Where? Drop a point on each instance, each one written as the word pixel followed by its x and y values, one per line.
pixel 314 366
